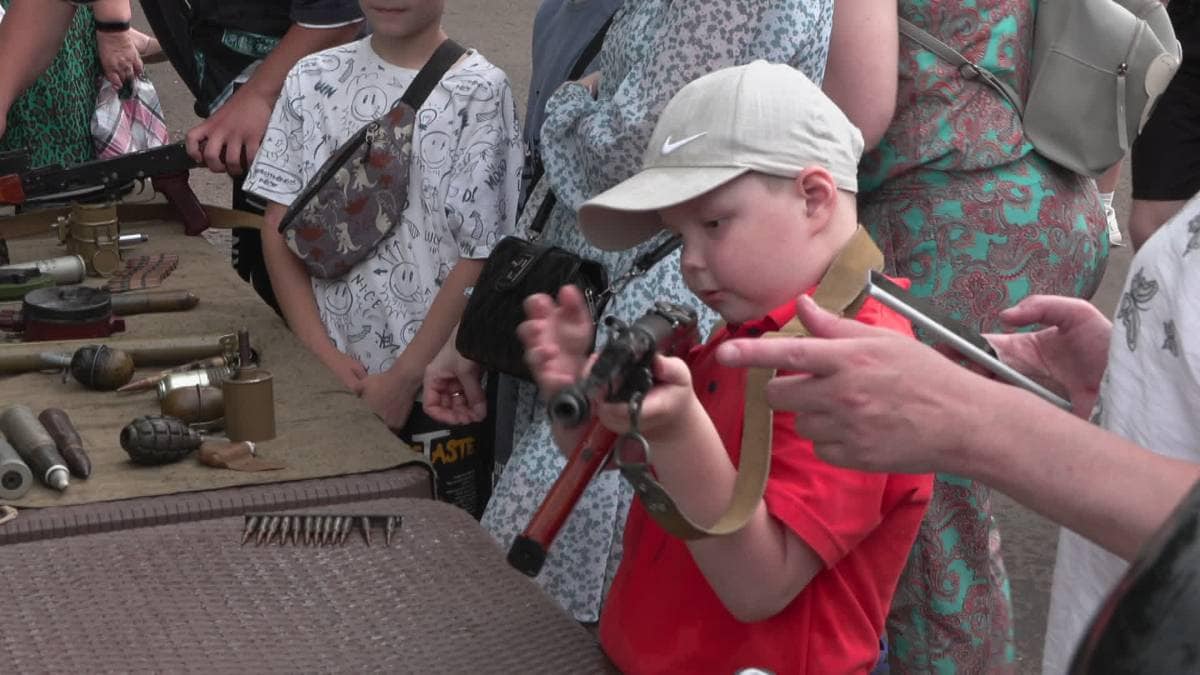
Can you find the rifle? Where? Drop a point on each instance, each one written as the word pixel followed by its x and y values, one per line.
pixel 166 166
pixel 621 373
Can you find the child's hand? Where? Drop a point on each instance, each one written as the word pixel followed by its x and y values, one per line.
pixel 390 395
pixel 347 369
pixel 667 408
pixel 557 338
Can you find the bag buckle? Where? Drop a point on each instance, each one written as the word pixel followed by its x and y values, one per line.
pixel 516 269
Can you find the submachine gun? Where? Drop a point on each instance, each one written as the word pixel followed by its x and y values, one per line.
pixel 166 167
pixel 621 373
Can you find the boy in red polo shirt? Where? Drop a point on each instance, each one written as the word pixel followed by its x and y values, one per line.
pixel 756 169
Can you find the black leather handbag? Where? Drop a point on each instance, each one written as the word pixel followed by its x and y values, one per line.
pixel 515 270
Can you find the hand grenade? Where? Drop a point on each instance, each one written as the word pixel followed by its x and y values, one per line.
pixel 158 439
pixel 99 367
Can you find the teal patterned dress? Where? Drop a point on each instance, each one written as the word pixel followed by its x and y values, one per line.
pixel 53 117
pixel 962 205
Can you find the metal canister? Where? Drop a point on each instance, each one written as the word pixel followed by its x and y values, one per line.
pixel 250 406
pixel 205 377
pixel 92 232
pixel 66 269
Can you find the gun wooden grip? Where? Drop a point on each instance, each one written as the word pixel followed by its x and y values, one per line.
pixel 11 190
pixel 147 302
pixel 70 445
pixel 529 549
pixel 179 193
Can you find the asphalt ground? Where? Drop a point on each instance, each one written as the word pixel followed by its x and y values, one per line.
pixel 501 31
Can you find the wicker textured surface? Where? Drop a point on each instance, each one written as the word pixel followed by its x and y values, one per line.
pixel 323 429
pixel 65 521
pixel 188 597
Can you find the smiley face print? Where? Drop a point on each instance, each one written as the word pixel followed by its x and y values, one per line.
pixel 369 104
pixel 435 150
pixel 339 299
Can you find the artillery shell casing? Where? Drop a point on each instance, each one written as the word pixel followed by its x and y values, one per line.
pixel 67 269
pixel 148 302
pixel 34 444
pixel 15 476
pixel 66 437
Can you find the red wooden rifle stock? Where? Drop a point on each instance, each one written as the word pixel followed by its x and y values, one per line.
pixel 529 549
pixel 621 371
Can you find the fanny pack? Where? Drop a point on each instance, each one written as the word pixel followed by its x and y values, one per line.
pixel 358 194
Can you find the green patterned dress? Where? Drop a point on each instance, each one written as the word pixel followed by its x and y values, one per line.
pixel 962 205
pixel 52 119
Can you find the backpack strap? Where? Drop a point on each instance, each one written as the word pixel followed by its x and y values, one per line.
pixel 842 291
pixel 968 69
pixel 443 58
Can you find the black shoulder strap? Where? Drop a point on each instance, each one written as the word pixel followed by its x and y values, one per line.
pixel 445 56
pixel 589 52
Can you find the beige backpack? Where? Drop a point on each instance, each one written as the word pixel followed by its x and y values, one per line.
pixel 1098 68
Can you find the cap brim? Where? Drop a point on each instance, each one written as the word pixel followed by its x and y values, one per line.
pixel 627 214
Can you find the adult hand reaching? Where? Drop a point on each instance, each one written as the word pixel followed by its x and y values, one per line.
pixel 1069 355
pixel 229 139
pixel 119 56
pixel 451 389
pixel 869 398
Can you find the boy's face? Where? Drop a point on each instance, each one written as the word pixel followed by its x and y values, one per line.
pixel 402 18
pixel 745 246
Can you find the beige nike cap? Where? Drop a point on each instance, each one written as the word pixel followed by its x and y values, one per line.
pixel 761 117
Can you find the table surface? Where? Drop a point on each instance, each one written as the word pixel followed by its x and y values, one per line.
pixel 322 429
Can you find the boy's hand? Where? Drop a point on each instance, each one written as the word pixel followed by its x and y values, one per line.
pixel 557 338
pixel 391 395
pixel 667 408
pixel 229 139
pixel 347 369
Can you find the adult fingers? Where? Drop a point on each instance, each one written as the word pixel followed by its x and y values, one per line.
pixel 234 150
pixel 800 394
pixel 214 146
pixel 473 395
pixel 193 141
pixel 1047 310
pixel 821 323
pixel 807 355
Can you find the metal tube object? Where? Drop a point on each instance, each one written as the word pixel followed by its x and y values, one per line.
pixel 147 302
pixel 67 269
pixel 35 445
pixel 26 357
pixel 15 476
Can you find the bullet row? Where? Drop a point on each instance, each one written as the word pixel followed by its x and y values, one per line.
pixel 314 530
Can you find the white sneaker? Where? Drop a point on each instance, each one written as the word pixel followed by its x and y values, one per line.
pixel 1114 230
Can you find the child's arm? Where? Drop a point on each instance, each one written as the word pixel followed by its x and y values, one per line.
pixel 391 394
pixel 293 290
pixel 760 569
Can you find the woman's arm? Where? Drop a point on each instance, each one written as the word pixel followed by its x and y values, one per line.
pixel 30 36
pixel 861 74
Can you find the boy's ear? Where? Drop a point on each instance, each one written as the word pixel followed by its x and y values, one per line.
pixel 819 190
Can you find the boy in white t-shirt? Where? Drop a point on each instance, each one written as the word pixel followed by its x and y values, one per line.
pixel 378 326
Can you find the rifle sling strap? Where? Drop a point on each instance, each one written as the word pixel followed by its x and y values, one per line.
pixel 40 222
pixel 842 291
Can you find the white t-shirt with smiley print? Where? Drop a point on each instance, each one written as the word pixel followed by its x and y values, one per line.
pixel 462 191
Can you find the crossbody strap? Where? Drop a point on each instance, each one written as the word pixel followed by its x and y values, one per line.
pixel 443 58
pixel 842 291
pixel 968 69
pixel 585 59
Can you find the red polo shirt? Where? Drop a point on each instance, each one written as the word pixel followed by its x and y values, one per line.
pixel 661 616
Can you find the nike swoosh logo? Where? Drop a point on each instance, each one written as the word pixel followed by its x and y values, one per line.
pixel 669 147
